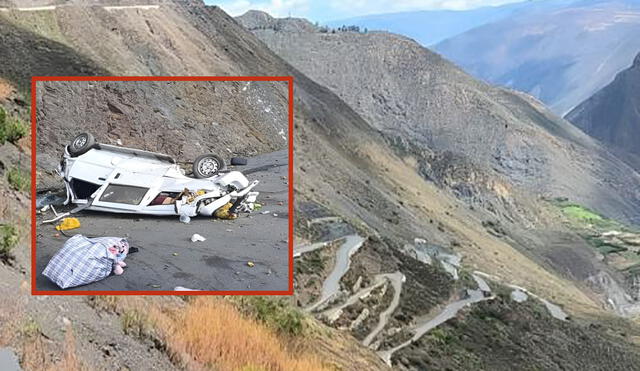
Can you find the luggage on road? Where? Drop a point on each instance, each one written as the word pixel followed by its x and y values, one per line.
pixel 83 260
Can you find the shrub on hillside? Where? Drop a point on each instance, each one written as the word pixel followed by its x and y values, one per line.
pixel 11 128
pixel 8 240
pixel 18 180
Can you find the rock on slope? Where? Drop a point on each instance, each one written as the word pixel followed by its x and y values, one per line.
pixel 560 56
pixel 415 97
pixel 612 115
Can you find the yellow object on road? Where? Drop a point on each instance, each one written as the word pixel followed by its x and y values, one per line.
pixel 68 223
pixel 223 212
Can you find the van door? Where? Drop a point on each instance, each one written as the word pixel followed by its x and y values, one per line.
pixel 126 192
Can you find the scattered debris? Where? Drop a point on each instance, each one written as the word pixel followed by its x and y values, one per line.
pixel 42 202
pixel 60 216
pixel 175 254
pixel 68 223
pixel 180 288
pixel 224 212
pixel 185 219
pixel 196 238
pixel 251 264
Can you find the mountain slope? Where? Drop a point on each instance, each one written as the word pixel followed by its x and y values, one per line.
pixel 495 150
pixel 432 26
pixel 560 56
pixel 412 94
pixel 166 41
pixel 612 115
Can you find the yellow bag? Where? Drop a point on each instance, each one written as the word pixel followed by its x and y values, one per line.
pixel 68 223
pixel 223 212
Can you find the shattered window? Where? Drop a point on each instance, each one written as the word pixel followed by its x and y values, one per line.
pixel 123 194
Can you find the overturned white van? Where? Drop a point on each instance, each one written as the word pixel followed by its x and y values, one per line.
pixel 124 180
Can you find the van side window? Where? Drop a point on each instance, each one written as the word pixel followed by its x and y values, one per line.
pixel 123 194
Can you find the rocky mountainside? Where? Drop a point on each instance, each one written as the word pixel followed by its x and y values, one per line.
pixel 612 115
pixel 420 100
pixel 532 52
pixel 529 150
pixel 384 252
pixel 176 38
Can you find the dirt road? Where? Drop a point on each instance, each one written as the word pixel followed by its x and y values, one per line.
pixel 167 258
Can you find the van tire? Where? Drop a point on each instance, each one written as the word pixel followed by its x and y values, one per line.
pixel 206 166
pixel 81 144
pixel 239 161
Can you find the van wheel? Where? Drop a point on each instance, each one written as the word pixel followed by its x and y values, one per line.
pixel 208 165
pixel 81 144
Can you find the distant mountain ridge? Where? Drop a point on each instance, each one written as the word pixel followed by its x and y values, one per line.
pixel 612 115
pixel 561 56
pixel 429 27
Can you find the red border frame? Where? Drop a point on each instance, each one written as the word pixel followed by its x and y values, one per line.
pixel 34 79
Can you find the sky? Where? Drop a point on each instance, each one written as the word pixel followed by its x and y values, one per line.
pixel 327 10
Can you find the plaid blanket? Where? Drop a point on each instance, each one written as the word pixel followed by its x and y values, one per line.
pixel 83 260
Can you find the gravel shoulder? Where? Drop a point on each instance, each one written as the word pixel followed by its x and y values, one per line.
pixel 167 258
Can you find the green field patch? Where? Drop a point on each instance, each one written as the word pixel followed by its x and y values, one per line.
pixel 581 213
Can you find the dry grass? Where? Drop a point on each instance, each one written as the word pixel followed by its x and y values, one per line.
pixel 37 354
pixel 11 314
pixel 212 333
pixel 107 303
pixel 70 360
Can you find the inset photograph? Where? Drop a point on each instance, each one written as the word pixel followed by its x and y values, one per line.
pixel 162 186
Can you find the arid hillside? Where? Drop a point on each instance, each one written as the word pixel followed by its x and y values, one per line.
pixel 613 113
pixel 501 153
pixel 395 249
pixel 417 98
